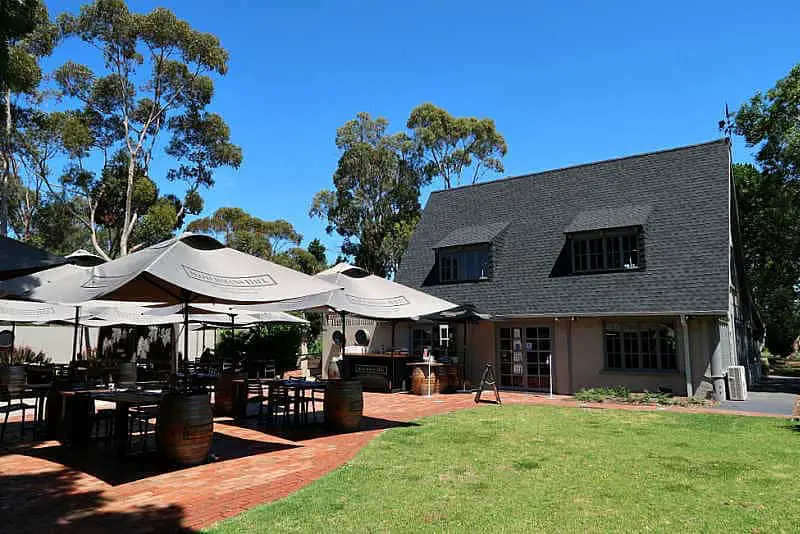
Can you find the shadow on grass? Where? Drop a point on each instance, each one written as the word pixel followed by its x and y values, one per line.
pixel 54 501
pixel 302 432
pixel 102 463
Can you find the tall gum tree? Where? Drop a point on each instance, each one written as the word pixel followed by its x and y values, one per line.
pixel 156 80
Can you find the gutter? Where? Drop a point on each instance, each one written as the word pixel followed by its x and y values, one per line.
pixel 608 314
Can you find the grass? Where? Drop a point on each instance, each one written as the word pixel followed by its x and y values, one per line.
pixel 547 469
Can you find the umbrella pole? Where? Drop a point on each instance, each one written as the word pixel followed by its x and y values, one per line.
pixel 13 335
pixel 344 338
pixel 186 334
pixel 75 334
pixel 203 327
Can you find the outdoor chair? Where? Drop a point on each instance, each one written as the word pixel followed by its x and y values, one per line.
pixel 12 404
pixel 269 369
pixel 103 419
pixel 278 402
pixel 255 393
pixel 140 417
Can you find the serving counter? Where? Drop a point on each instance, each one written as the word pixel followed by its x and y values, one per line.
pixel 384 371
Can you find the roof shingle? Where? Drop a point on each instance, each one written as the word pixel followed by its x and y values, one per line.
pixel 686 239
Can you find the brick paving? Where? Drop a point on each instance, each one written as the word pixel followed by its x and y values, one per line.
pixel 48 488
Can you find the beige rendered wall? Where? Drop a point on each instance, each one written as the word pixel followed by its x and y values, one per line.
pixel 588 364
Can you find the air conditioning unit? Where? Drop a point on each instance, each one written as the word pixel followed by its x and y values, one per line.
pixel 737 383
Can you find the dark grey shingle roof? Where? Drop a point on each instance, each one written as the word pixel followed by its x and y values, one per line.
pixel 685 236
pixel 620 217
pixel 472 235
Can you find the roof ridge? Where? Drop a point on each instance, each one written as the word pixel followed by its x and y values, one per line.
pixel 723 140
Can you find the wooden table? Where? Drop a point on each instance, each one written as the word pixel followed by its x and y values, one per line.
pixel 299 387
pixel 124 400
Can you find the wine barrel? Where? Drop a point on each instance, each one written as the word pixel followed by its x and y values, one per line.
pixel 13 378
pixel 184 428
pixel 225 395
pixel 344 404
pixel 421 384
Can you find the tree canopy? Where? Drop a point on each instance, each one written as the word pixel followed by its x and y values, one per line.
pixel 376 193
pixel 769 206
pixel 272 240
pixel 156 81
pixel 455 148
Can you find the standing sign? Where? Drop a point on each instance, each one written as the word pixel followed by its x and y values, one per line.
pixel 488 380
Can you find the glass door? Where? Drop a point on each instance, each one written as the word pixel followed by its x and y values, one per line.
pixel 537 357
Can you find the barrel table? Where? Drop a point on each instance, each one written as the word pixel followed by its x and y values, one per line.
pixel 344 404
pixel 184 428
pixel 435 377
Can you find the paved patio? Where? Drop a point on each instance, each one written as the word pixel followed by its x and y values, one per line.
pixel 48 488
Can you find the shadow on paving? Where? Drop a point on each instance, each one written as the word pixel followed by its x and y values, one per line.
pixel 53 502
pixel 778 384
pixel 101 462
pixel 312 431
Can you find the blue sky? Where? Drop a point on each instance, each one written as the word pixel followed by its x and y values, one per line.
pixel 567 82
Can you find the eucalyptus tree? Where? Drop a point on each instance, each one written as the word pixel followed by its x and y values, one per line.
pixel 375 196
pixel 456 149
pixel 152 92
pixel 26 35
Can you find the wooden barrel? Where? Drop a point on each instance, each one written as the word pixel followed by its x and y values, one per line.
pixel 225 397
pixel 184 428
pixel 77 423
pixel 126 375
pixel 13 378
pixel 421 384
pixel 344 404
pixel 449 379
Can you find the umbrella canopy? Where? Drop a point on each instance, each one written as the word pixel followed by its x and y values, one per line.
pixel 19 311
pixel 238 313
pixel 19 259
pixel 364 294
pixel 190 268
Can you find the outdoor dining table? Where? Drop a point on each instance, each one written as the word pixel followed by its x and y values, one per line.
pixel 297 387
pixel 124 401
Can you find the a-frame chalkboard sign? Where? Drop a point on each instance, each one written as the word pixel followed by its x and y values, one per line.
pixel 488 380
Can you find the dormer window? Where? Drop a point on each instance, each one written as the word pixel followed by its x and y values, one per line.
pixel 464 264
pixel 608 250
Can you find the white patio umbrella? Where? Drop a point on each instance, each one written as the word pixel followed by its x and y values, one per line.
pixel 190 268
pixel 366 295
pixel 363 294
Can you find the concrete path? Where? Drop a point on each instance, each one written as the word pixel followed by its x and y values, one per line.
pixel 775 395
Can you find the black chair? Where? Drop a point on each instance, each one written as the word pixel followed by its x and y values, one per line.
pixel 140 417
pixel 13 403
pixel 255 393
pixel 278 401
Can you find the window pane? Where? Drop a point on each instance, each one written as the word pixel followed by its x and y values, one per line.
pixel 669 349
pixel 613 253
pixel 630 251
pixel 596 254
pixel 650 349
pixel 613 350
pixel 630 348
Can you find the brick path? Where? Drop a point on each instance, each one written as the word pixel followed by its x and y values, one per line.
pixel 47 488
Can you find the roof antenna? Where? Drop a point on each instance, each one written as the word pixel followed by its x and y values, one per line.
pixel 726 125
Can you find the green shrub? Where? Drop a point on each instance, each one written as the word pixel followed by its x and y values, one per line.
pixel 22 354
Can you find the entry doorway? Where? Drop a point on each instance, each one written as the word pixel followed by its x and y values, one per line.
pixel 525 354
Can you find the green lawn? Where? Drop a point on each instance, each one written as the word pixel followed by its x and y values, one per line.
pixel 528 469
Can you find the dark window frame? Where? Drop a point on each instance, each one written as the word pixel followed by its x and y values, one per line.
pixel 449 259
pixel 630 347
pixel 605 251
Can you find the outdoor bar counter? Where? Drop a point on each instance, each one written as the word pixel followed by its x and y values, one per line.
pixel 434 377
pixel 384 371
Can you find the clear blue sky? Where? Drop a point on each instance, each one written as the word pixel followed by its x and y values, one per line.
pixel 567 83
